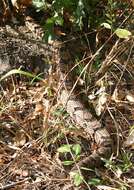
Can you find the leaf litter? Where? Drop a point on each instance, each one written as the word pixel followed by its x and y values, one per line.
pixel 29 157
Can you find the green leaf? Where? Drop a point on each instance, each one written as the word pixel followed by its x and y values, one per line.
pixel 77 149
pixel 68 162
pixel 94 181
pixel 59 112
pixel 58 19
pixel 106 25
pixel 18 71
pixel 65 148
pixel 87 169
pixel 77 178
pixel 49 24
pixel 122 33
pixel 79 13
pixel 49 36
pixel 39 4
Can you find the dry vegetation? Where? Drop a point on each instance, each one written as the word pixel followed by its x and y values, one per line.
pixel 34 125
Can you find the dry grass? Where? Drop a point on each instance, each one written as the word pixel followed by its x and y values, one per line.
pixel 33 125
pixel 31 132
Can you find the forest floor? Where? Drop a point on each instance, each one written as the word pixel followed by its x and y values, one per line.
pixel 36 131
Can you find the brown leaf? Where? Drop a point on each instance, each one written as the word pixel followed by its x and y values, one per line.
pixel 130 140
pixel 21 3
pixel 20 139
pixel 130 97
pixel 39 108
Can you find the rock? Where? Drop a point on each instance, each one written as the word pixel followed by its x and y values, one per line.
pixel 18 51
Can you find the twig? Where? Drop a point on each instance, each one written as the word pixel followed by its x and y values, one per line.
pixel 8 186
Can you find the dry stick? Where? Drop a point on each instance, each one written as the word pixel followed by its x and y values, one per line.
pixel 18 154
pixel 20 125
pixel 125 64
pixel 116 125
pixel 116 88
pixel 117 63
pixel 8 186
pixel 108 61
pixel 105 65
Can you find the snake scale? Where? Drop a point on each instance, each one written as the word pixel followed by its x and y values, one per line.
pixel 74 106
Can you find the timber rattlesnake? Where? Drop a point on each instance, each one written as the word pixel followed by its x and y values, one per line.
pixel 81 115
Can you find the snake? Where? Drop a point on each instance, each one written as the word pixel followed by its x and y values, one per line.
pixel 81 115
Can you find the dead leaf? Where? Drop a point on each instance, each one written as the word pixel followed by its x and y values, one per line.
pixel 118 95
pixel 20 139
pixel 101 103
pixel 130 140
pixel 39 108
pixel 20 3
pixel 105 187
pixel 130 97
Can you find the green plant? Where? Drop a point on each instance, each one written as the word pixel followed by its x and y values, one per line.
pixel 77 178
pixel 60 111
pixel 110 12
pixel 94 181
pixel 21 72
pixel 74 149
pixel 121 166
pixel 82 14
